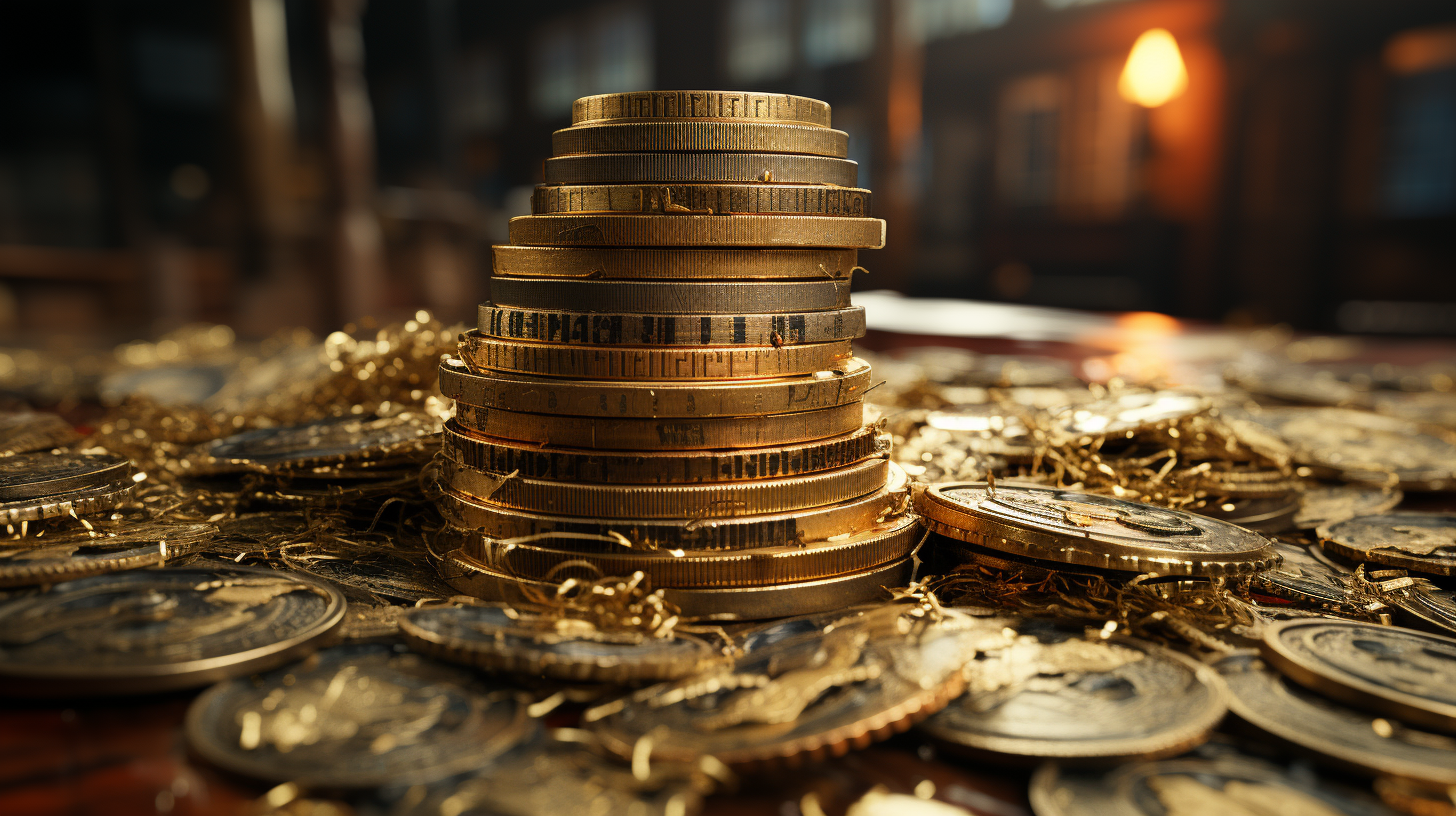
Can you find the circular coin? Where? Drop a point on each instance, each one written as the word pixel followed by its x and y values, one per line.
pixel 700 137
pixel 1429 607
pixel 1423 542
pixel 1129 412
pixel 1406 674
pixel 483 353
pixel 674 433
pixel 357 717
pixel 25 431
pixel 1359 446
pixel 27 476
pixel 78 503
pixel 753 106
pixel 1267 514
pixel 160 629
pixel 702 199
pixel 842 384
pixel 1304 577
pixel 1330 504
pixel 598 329
pixel 1052 693
pixel 698 230
pixel 700 168
pixel 81 553
pixel 763 299
pixel 330 441
pixel 613 263
pixel 497 638
pixel 1092 531
pixel 1276 705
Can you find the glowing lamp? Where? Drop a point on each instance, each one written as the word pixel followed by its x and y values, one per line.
pixel 1154 73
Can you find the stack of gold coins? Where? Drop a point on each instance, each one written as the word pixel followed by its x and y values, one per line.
pixel 663 383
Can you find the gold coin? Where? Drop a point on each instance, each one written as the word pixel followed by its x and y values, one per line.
pixel 663 433
pixel 610 263
pixel 718 137
pixel 841 385
pixel 764 298
pixel 670 168
pixel 702 199
pixel 698 230
pixel 597 329
pixel 758 107
pixel 707 363
pixel 557 560
pixel 531 460
pixel 699 501
pixel 799 528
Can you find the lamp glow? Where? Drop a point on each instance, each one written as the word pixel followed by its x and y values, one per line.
pixel 1154 73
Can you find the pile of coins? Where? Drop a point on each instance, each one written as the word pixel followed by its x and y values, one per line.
pixel 663 382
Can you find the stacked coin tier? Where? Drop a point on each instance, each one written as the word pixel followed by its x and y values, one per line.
pixel 662 381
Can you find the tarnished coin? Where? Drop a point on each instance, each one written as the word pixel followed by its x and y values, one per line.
pixel 333 441
pixel 357 717
pixel 1422 542
pixel 160 629
pixel 1305 577
pixel 1425 407
pixel 1092 531
pixel 1428 607
pixel 705 199
pixel 1278 706
pixel 770 231
pixel 1050 692
pixel 1360 446
pixel 498 637
pixel 25 431
pixel 696 168
pixel 623 263
pixel 79 502
pixel 1406 674
pixel 681 363
pixel 1266 514
pixel 695 105
pixel 1129 412
pixel 1330 504
pixel 802 697
pixel 700 137
pixel 28 476
pixel 80 553
pixel 1295 383
pixel 598 328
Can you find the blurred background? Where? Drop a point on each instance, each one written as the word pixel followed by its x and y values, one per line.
pixel 277 163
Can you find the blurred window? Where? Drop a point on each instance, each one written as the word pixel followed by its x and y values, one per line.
pixel 933 19
pixel 1028 147
pixel 554 86
pixel 837 31
pixel 621 49
pixel 760 40
pixel 1420 145
pixel 482 103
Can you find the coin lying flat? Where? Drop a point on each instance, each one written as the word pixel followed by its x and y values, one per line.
pixel 25 431
pixel 1429 607
pixel 357 717
pixel 647 263
pixel 85 502
pixel 728 298
pixel 1093 531
pixel 1422 542
pixel 1129 412
pixel 39 475
pixel 1330 504
pixel 694 168
pixel 1360 446
pixel 1270 514
pixel 160 629
pixel 692 105
pixel 802 696
pixel 1052 693
pixel 1305 577
pixel 833 232
pixel 1406 674
pixel 332 441
pixel 81 553
pixel 588 328
pixel 1278 706
pixel 989 429
pixel 497 637
pixel 707 199
pixel 700 137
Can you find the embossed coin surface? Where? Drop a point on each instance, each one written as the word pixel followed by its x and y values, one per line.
pixel 1359 446
pixel 1331 504
pixel 81 552
pixel 357 717
pixel 1274 704
pixel 154 630
pixel 1303 576
pixel 36 475
pixel 1423 542
pixel 325 442
pixel 1089 530
pixel 1406 674
pixel 1052 693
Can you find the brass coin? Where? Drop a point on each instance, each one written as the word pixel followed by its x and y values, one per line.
pixel 1428 606
pixel 612 263
pixel 559 559
pixel 1270 514
pixel 703 137
pixel 1306 577
pixel 698 231
pixel 702 199
pixel 655 298
pixel 701 168
pixel 25 431
pixel 1054 701
pixel 1089 530
pixel 1278 706
pixel 483 353
pixel 843 384
pixel 1129 412
pixel 676 433
pixel 750 532
pixel 1359 446
pixel 758 107
pixel 330 441
pixel 1423 542
pixel 687 502
pixel 45 474
pixel 658 467
pixel 81 553
pixel 1400 672
pixel 81 503
pixel 160 629
pixel 597 329
pixel 1331 504
pixel 500 638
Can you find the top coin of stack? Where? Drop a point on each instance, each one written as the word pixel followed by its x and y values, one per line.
pixel 666 357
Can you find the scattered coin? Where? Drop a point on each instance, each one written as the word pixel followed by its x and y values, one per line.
pixel 1331 504
pixel 30 476
pixel 328 442
pixel 25 431
pixel 81 553
pixel 1359 446
pixel 1306 577
pixel 1422 542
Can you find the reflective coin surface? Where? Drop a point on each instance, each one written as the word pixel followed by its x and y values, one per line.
pixel 1359 446
pixel 159 629
pixel 357 717
pixel 1286 710
pixel 1306 577
pixel 295 446
pixel 1406 674
pixel 36 475
pixel 1092 530
pixel 80 553
pixel 1330 504
pixel 1052 693
pixel 1129 412
pixel 1420 542
pixel 498 637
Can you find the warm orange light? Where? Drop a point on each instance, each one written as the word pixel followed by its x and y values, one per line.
pixel 1154 73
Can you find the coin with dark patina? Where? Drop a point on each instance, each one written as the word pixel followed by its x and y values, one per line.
pixel 25 431
pixel 1360 446
pixel 1330 504
pixel 333 441
pixel 38 475
pixel 1420 542
pixel 79 553
pixel 1304 575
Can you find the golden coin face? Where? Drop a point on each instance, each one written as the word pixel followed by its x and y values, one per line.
pixel 35 475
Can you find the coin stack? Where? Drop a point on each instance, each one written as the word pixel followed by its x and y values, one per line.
pixel 663 381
